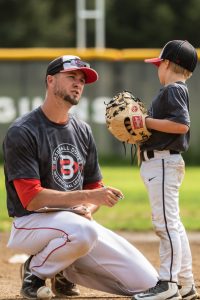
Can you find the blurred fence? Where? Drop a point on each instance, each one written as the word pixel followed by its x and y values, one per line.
pixel 22 88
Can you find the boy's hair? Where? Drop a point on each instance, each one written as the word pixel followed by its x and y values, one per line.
pixel 180 70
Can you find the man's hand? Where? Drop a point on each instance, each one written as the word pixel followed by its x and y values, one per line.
pixel 108 196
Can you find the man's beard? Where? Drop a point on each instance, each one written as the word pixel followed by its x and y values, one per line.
pixel 66 97
pixel 71 100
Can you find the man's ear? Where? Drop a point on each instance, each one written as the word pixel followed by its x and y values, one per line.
pixel 49 79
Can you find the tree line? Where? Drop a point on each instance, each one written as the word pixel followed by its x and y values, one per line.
pixel 129 23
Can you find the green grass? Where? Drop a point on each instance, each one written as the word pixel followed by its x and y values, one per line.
pixel 133 212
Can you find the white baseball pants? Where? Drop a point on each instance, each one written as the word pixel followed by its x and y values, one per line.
pixel 90 254
pixel 162 176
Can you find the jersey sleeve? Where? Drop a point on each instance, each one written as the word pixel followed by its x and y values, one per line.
pixel 177 105
pixel 93 185
pixel 20 154
pixel 27 189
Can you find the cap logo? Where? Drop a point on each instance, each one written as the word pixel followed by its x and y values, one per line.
pixel 71 63
pixel 67 63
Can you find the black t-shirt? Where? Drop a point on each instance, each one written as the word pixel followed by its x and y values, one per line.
pixel 172 103
pixel 62 157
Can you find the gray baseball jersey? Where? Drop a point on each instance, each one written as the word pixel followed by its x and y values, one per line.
pixel 62 157
pixel 172 103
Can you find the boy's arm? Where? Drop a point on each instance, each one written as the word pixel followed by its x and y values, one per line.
pixel 166 126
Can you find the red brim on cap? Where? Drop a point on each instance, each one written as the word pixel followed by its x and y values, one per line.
pixel 90 74
pixel 156 61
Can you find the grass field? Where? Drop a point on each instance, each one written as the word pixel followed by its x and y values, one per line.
pixel 133 212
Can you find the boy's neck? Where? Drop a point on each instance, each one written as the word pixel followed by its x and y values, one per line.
pixel 174 77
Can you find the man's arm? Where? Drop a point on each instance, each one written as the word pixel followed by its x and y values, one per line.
pixel 33 196
pixel 51 198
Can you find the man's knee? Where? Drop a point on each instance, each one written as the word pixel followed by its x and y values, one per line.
pixel 85 238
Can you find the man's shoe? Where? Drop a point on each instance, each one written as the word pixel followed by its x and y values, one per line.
pixel 188 293
pixel 61 287
pixel 31 284
pixel 162 291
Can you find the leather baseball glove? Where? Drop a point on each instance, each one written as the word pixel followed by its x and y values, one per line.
pixel 125 118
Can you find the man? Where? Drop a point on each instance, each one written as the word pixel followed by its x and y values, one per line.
pixel 51 161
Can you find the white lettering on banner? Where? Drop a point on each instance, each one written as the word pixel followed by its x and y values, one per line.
pixel 24 106
pixel 82 109
pixel 98 110
pixel 37 101
pixel 10 109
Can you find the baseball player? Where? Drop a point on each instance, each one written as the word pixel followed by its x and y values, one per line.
pixel 163 168
pixel 54 185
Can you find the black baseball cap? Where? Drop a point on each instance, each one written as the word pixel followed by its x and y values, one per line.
pixel 68 63
pixel 180 52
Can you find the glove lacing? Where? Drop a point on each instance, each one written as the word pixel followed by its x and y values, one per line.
pixel 133 151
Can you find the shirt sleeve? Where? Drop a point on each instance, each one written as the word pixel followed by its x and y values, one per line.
pixel 94 185
pixel 20 154
pixel 27 189
pixel 178 106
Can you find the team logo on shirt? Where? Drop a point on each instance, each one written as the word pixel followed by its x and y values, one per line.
pixel 67 166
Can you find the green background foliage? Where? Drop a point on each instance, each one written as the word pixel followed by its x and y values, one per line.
pixel 129 24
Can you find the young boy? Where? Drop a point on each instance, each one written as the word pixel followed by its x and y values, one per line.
pixel 162 170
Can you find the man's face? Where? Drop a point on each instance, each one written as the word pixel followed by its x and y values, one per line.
pixel 69 86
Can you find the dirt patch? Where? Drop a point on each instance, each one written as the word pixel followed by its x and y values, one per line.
pixel 10 282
